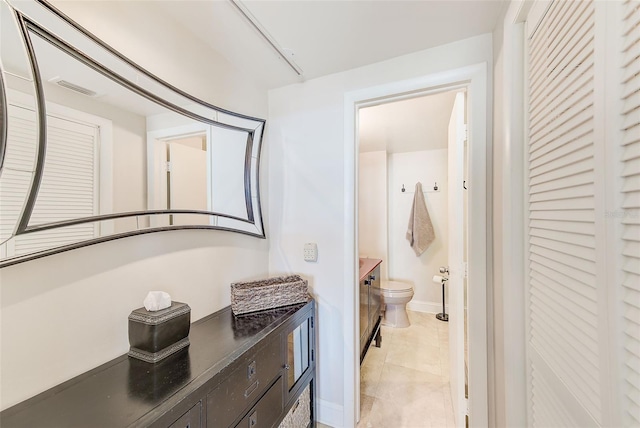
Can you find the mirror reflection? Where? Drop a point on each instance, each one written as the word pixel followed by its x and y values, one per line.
pixel 297 353
pixel 118 157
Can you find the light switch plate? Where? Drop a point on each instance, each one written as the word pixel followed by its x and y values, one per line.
pixel 311 252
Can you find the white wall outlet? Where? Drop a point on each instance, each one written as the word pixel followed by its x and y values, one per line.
pixel 311 252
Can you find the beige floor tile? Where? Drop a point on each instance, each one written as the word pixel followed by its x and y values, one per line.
pixel 400 383
pixel 448 407
pixel 377 355
pixel 423 319
pixel 415 333
pixel 366 403
pixel 417 356
pixel 385 414
pixel 404 384
pixel 444 364
pixel 370 373
pixel 387 331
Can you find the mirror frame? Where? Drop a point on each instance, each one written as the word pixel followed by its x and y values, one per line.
pixel 28 27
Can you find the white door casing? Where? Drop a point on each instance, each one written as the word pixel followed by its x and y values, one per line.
pixel 474 78
pixel 456 259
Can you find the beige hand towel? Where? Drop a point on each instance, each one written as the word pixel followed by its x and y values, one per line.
pixel 420 231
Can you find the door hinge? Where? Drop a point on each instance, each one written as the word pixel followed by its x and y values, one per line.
pixel 466 132
pixel 465 269
pixel 311 322
pixel 466 407
pixel 168 166
pixel 313 355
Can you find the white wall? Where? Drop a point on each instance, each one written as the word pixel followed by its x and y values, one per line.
pixel 64 314
pixel 307 182
pixel 372 208
pixel 427 167
pixel 383 215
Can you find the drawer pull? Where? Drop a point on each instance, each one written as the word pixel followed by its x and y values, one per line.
pixel 253 419
pixel 287 366
pixel 250 390
pixel 251 370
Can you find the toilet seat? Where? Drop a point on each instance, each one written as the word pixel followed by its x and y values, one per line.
pixel 395 287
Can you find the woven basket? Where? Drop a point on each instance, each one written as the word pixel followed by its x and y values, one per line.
pixel 267 294
pixel 300 413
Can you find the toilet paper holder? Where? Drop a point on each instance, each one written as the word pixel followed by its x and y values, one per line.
pixel 443 316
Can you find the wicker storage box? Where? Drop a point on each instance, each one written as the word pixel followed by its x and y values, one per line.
pixel 300 413
pixel 267 293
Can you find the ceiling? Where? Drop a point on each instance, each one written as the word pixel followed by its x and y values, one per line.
pixel 325 37
pixel 406 126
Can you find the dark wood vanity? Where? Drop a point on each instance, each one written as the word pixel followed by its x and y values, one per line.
pixel 255 370
pixel 370 304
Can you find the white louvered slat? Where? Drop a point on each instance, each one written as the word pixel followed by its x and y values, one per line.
pixel 20 157
pixel 67 189
pixel 576 191
pixel 563 226
pixel 563 300
pixel 548 410
pixel 630 213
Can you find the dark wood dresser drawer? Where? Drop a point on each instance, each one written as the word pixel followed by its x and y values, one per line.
pixel 267 411
pixel 191 419
pixel 245 384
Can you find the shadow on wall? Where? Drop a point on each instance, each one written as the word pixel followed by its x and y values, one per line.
pixel 32 278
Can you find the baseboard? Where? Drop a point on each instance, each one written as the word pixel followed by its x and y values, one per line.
pixel 330 414
pixel 428 307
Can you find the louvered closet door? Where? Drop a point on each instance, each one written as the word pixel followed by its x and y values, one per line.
pixel 630 213
pixel 68 189
pixel 566 357
pixel 69 185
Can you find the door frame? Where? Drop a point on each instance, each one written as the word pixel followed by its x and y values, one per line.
pixel 171 133
pixel 474 79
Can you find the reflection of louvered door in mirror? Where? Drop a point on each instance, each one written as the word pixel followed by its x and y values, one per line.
pixel 297 353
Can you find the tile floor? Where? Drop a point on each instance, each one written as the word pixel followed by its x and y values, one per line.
pixel 405 383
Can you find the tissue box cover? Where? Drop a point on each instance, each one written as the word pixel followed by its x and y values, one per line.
pixel 155 335
pixel 268 293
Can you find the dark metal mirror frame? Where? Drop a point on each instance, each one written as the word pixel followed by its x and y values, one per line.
pixel 28 26
pixel 3 121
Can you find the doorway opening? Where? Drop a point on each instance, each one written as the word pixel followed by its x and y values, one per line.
pixel 472 81
pixel 412 161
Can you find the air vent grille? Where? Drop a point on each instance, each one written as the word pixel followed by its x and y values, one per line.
pixel 74 87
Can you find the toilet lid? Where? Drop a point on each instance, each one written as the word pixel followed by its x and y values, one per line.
pixel 396 286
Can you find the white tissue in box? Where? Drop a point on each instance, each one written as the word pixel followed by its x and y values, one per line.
pixel 157 300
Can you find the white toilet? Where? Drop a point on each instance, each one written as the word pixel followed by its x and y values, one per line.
pixel 395 296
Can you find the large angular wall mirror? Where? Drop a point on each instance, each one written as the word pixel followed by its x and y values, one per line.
pixel 93 147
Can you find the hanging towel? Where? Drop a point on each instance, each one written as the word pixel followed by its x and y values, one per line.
pixel 420 231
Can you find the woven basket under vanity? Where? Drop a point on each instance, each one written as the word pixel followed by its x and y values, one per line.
pixel 268 293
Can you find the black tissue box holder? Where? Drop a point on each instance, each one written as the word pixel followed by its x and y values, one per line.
pixel 155 335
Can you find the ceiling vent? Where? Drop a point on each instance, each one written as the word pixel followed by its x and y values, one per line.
pixel 76 88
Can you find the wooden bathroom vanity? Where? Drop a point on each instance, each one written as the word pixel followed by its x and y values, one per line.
pixel 370 304
pixel 255 370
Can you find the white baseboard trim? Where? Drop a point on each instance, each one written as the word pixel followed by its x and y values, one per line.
pixel 330 414
pixel 428 307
